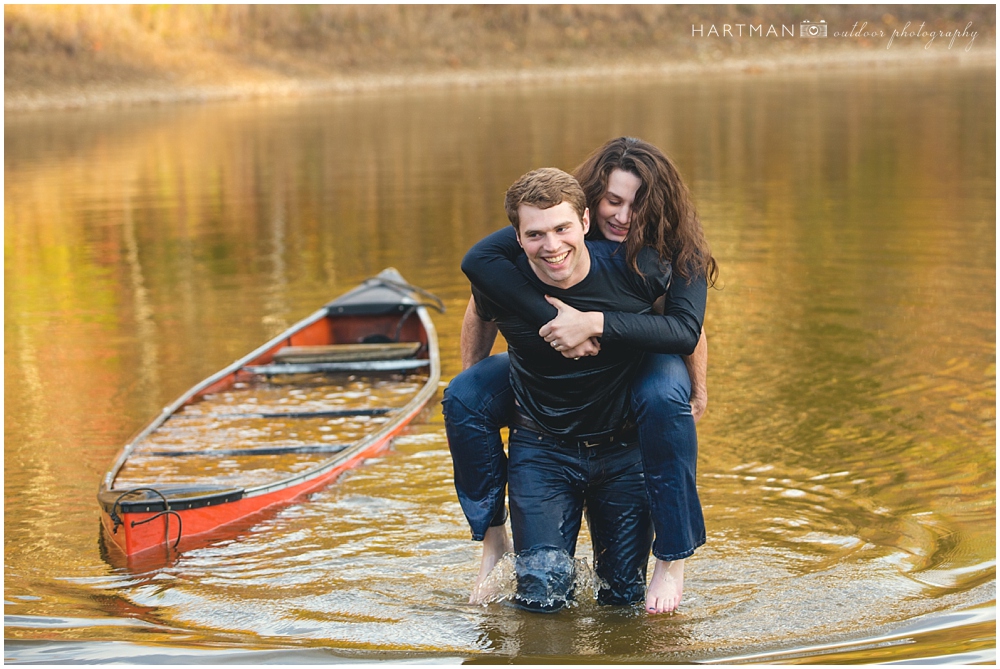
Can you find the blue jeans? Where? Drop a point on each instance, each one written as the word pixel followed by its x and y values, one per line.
pixel 661 404
pixel 551 483
pixel 480 400
pixel 476 404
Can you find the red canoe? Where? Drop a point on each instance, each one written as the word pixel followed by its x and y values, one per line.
pixel 281 422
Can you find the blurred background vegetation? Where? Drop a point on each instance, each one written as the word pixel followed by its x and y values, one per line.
pixel 51 49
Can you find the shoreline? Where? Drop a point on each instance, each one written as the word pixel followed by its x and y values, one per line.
pixel 104 96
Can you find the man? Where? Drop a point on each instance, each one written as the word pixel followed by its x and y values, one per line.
pixel 570 447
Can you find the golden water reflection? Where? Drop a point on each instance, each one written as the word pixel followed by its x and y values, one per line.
pixel 847 461
pixel 198 442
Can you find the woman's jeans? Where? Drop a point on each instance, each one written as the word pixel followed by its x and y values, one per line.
pixel 480 400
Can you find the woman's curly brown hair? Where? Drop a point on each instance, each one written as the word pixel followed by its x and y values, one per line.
pixel 663 216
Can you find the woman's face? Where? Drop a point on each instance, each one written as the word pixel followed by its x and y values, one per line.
pixel 614 211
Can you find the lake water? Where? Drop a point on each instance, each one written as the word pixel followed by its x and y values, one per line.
pixel 847 463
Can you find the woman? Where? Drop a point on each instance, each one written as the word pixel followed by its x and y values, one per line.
pixel 637 198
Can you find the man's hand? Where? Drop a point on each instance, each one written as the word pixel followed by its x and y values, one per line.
pixel 571 328
pixel 699 404
pixel 476 340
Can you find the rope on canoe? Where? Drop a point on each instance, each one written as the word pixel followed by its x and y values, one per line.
pixel 438 303
pixel 166 513
pixel 399 326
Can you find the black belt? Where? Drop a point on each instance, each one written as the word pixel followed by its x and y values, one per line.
pixel 627 434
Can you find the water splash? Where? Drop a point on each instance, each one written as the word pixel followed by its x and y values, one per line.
pixel 501 583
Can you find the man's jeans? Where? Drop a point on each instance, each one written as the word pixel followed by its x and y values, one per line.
pixel 480 400
pixel 551 483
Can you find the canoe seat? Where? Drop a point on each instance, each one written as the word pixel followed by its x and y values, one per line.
pixel 347 352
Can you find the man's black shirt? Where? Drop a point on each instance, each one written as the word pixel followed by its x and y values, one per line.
pixel 591 395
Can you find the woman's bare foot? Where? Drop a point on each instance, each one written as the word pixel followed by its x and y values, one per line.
pixel 666 587
pixel 495 544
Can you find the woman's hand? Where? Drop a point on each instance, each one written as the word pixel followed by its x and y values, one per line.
pixel 590 347
pixel 571 328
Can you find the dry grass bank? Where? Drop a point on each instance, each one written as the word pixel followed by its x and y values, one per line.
pixel 73 55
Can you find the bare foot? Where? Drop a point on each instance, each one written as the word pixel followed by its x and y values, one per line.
pixel 666 587
pixel 495 544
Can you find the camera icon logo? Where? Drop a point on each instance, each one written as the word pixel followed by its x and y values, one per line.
pixel 808 29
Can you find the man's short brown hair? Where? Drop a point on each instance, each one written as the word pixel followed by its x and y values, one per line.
pixel 544 188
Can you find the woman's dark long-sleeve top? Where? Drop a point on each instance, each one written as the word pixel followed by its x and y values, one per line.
pixel 490 267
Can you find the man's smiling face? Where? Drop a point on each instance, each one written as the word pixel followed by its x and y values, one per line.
pixel 553 240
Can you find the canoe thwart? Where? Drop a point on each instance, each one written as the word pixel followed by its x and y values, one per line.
pixel 338 413
pixel 348 352
pixel 263 450
pixel 318 367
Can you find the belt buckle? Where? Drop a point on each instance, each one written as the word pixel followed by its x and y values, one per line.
pixel 590 444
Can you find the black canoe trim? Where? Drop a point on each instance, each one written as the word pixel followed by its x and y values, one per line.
pixel 289 414
pixel 264 450
pixel 313 368
pixel 108 498
pixel 382 294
